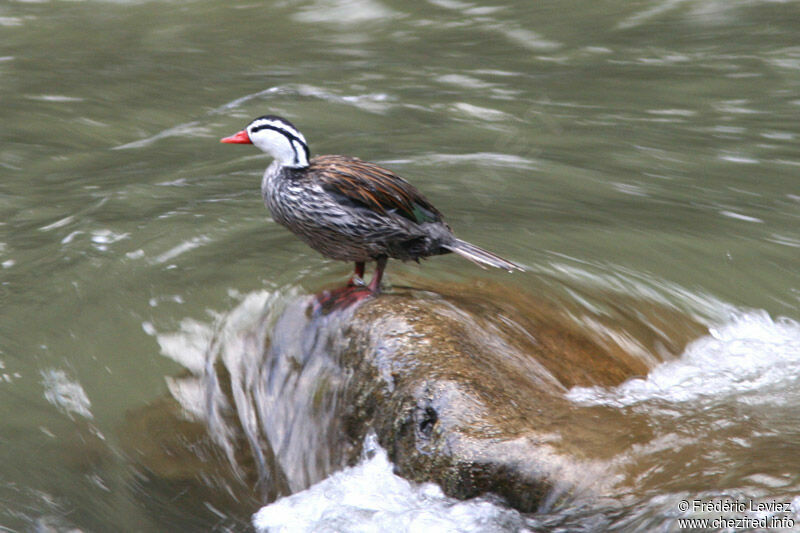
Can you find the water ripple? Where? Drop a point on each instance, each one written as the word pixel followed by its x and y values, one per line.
pixel 748 353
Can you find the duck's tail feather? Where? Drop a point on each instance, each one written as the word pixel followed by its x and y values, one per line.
pixel 481 257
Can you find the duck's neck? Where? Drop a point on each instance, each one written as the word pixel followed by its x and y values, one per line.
pixel 270 176
pixel 274 173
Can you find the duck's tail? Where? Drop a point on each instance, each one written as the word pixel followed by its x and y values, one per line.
pixel 481 257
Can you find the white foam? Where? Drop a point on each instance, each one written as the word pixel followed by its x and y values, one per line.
pixel 10 21
pixel 187 129
pixel 182 248
pixel 65 393
pixel 488 159
pixel 101 238
pixel 461 80
pixel 749 353
pixel 739 216
pixel 483 113
pixel 369 497
pixel 55 98
pixel 742 160
pixel 346 12
pixel 58 223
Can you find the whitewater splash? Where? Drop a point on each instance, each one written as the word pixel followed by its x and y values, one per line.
pixel 369 497
pixel 748 353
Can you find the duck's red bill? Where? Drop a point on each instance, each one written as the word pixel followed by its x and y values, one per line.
pixel 240 138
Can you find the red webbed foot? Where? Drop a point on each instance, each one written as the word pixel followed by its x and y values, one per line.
pixel 353 293
pixel 340 299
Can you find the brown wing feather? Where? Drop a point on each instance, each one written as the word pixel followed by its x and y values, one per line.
pixel 373 187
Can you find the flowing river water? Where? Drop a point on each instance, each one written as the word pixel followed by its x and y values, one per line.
pixel 631 153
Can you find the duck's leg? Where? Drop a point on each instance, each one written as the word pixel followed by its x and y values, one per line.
pixel 359 273
pixel 354 292
pixel 375 284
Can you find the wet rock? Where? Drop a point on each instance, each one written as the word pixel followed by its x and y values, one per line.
pixel 469 393
pixel 463 385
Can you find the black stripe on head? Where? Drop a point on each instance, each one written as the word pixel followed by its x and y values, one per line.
pixel 276 118
pixel 287 131
pixel 303 146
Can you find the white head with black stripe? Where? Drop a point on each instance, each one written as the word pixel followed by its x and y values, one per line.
pixel 276 136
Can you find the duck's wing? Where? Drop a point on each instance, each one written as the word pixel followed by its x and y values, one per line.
pixel 354 182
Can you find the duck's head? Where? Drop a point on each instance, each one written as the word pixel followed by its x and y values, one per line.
pixel 276 136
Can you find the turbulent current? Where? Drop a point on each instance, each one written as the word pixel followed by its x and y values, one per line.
pixel 160 369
